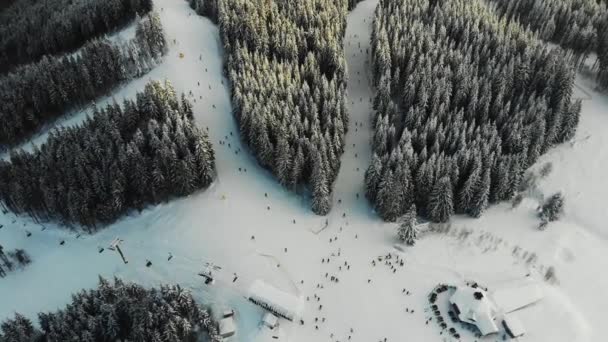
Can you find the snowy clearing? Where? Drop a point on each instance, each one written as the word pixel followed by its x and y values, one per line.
pixel 217 226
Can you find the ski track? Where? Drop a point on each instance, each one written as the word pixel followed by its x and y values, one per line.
pixel 216 225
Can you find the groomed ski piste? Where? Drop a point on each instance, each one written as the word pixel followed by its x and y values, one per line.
pixel 244 223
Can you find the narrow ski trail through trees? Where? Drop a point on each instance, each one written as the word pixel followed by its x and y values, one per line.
pixel 349 193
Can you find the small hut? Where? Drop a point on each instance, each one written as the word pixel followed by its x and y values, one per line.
pixel 513 326
pixel 280 303
pixel 227 326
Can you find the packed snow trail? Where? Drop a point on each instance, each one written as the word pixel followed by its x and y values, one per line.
pixel 349 193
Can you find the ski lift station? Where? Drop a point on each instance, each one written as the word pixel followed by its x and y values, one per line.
pixel 473 305
pixel 279 303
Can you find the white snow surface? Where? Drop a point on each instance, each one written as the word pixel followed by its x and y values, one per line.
pixel 216 226
pixel 513 298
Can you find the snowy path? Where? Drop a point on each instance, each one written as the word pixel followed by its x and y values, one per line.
pixel 350 184
pixel 217 225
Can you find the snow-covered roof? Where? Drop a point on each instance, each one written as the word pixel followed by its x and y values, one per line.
pixel 227 327
pixel 281 303
pixel 517 296
pixel 513 325
pixel 475 308
pixel 270 320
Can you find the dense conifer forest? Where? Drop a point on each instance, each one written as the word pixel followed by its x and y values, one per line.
pixel 34 94
pixel 207 8
pixel 286 64
pixel 465 104
pixel 31 28
pixel 123 157
pixel 119 312
pixel 5 4
pixel 578 25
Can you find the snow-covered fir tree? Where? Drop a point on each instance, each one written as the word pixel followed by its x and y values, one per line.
pixel 408 230
pixel 441 204
pixel 18 329
pixel 553 208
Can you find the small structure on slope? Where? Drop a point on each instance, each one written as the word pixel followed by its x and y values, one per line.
pixel 513 326
pixel 227 326
pixel 280 303
pixel 270 320
pixel 473 306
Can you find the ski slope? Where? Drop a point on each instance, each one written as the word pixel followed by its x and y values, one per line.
pixel 217 225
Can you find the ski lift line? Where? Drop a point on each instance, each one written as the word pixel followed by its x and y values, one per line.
pixel 224 278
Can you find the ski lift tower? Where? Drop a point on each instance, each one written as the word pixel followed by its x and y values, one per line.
pixel 115 246
pixel 208 271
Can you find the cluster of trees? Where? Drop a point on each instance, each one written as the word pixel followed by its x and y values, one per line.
pixel 579 25
pixel 119 312
pixel 465 103
pixel 125 157
pixel 286 62
pixel 207 8
pixel 31 28
pixel 551 210
pixel 8 260
pixel 36 93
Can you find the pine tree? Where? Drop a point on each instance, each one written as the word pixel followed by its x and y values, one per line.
pixel 440 201
pixel 481 195
pixel 372 178
pixel 18 329
pixel 388 201
pixel 466 193
pixel 321 202
pixel 408 231
pixel 553 208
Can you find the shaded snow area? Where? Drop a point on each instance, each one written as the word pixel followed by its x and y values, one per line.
pixel 252 236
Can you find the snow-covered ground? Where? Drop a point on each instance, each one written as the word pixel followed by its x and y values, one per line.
pixel 217 225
